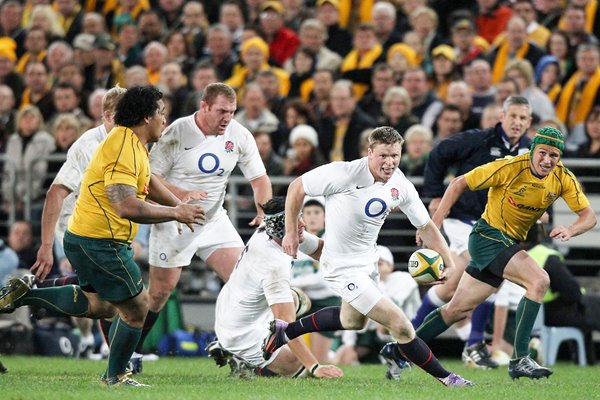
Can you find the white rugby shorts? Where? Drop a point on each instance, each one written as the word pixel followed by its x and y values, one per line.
pixel 168 249
pixel 356 285
pixel 458 233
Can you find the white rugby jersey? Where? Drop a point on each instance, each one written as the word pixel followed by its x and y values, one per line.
pixel 356 207
pixel 260 279
pixel 71 172
pixel 190 160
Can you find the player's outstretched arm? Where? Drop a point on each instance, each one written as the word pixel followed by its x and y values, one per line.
pixel 293 203
pixel 52 205
pixel 586 221
pixel 287 313
pixel 126 204
pixel 158 183
pixel 456 187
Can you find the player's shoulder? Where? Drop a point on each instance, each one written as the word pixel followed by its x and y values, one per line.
pixel 237 130
pixel 180 125
pixel 89 140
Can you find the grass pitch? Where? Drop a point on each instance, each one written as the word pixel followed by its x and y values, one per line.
pixel 43 378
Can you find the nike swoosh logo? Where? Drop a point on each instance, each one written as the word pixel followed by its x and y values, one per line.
pixel 188 148
pixel 360 187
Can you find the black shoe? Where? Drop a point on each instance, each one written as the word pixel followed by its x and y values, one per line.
pixel 3 369
pixel 528 368
pixel 13 291
pixel 478 356
pixel 218 353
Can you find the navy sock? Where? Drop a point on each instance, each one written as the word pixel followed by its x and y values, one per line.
pixel 421 355
pixel 148 324
pixel 426 307
pixel 105 329
pixel 324 320
pixel 479 320
pixel 267 373
pixel 62 281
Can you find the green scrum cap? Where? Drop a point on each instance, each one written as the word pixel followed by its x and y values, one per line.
pixel 548 136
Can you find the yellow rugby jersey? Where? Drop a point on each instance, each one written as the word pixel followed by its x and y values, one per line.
pixel 517 198
pixel 120 159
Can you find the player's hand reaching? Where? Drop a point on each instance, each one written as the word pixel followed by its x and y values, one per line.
pixel 561 233
pixel 290 244
pixel 190 214
pixel 328 371
pixel 43 264
pixel 257 220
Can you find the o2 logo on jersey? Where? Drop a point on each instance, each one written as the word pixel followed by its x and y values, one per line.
pixel 376 207
pixel 209 163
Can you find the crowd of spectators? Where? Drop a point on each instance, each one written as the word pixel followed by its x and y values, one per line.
pixel 311 76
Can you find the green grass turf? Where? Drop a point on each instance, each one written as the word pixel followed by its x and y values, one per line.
pixel 37 378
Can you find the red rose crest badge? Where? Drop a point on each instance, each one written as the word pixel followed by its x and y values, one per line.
pixel 395 194
pixel 229 146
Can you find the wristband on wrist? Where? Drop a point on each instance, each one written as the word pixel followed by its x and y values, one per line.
pixel 310 244
pixel 313 369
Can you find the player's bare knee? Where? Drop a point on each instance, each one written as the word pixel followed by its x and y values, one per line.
pixel 352 323
pixel 403 332
pixel 157 297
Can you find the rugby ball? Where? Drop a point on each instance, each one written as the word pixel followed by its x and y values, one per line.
pixel 425 266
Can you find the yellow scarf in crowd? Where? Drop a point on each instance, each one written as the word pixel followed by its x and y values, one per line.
pixel 502 59
pixel 588 94
pixel 27 58
pixel 355 61
pixel 554 92
pixel 590 17
pixel 108 6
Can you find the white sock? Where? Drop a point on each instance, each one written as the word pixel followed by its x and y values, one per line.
pixel 435 299
pixel 463 331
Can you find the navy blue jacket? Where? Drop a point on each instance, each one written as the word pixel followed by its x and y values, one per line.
pixel 463 152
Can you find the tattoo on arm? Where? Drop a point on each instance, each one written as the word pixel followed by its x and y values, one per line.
pixel 119 192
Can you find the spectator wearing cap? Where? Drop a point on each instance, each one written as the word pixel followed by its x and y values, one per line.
pixel 8 76
pixel 282 41
pixel 107 70
pixel 548 77
pixel 339 39
pixel 11 12
pixel 400 57
pixel 492 19
pixel 255 56
pixel 467 45
pixel 515 45
pixel 444 70
pixel 357 66
pixel 304 154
